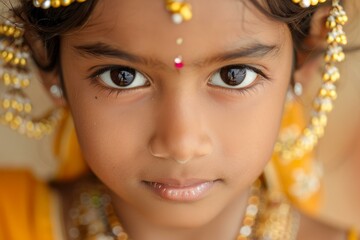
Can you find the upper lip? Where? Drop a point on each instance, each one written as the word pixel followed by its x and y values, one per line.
pixel 180 182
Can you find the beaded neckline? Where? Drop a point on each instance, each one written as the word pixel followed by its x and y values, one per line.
pixel 93 217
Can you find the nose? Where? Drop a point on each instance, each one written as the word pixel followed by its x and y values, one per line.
pixel 181 132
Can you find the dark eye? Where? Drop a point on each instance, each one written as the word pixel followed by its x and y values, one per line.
pixel 233 77
pixel 123 77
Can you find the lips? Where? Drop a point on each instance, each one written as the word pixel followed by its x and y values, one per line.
pixel 181 190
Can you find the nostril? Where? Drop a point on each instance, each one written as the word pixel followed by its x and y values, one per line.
pixel 179 148
pixel 157 153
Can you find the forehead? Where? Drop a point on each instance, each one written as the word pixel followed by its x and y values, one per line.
pixel 145 26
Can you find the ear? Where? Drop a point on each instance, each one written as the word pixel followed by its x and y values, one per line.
pixel 309 60
pixel 49 79
pixel 52 84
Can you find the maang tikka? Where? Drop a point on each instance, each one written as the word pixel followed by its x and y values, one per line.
pixel 180 12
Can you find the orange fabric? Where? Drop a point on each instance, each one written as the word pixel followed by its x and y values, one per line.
pixel 24 207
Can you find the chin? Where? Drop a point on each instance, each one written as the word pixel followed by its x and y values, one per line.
pixel 183 216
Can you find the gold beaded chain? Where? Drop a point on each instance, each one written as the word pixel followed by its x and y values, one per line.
pixel 247 230
pixel 93 217
pixel 308 3
pixel 15 106
pixel 323 104
pixel 46 4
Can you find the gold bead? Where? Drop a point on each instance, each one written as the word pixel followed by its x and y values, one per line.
pixel 16 61
pixel 7 79
pixel 56 3
pixel 174 6
pixel 27 107
pixel 9 116
pixel 13 104
pixel 6 103
pixel 30 126
pixel 249 221
pixel 10 31
pixel 8 56
pixel 331 22
pixel 314 2
pixel 186 12
pixel 16 122
pixel 18 33
pixel 23 62
pixel 66 3
pixel 25 83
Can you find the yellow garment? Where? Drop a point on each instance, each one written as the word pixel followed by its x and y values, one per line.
pixel 353 234
pixel 25 207
pixel 67 150
pixel 298 179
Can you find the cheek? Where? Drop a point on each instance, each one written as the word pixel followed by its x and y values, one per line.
pixel 248 132
pixel 110 133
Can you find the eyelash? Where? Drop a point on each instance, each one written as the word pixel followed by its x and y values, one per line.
pixel 111 91
pixel 241 91
pixel 246 90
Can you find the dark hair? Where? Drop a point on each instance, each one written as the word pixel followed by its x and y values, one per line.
pixel 50 24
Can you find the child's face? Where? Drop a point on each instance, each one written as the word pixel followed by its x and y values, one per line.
pixel 135 136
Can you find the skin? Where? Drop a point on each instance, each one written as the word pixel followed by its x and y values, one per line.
pixel 136 135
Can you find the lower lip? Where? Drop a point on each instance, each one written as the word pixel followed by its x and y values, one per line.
pixel 181 194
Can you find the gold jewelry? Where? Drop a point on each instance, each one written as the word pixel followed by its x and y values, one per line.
pixel 308 3
pixel 266 217
pixel 93 216
pixel 180 10
pixel 46 4
pixel 296 148
pixel 279 221
pixel 246 231
pixel 15 106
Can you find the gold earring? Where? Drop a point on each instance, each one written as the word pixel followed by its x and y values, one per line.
pixel 16 107
pixel 323 103
pixel 293 170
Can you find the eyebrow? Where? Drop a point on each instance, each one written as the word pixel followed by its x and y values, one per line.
pixel 254 50
pixel 98 49
pixel 107 51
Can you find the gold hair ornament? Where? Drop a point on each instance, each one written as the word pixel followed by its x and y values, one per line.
pixel 45 4
pixel 15 74
pixel 180 10
pixel 308 3
pixel 323 104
